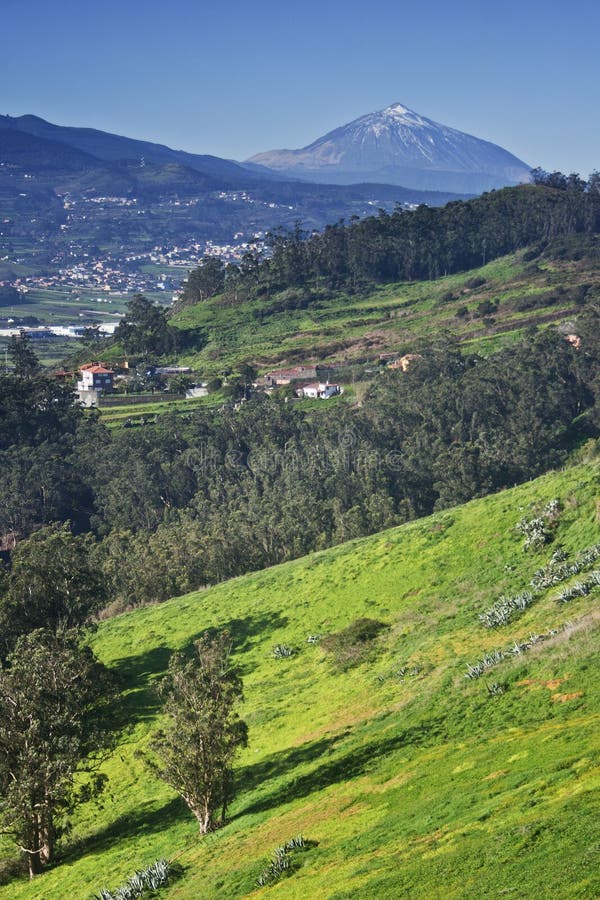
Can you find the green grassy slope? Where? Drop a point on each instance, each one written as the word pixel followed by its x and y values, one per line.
pixel 392 317
pixel 413 780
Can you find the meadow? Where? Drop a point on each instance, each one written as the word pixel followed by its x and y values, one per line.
pixel 405 777
pixel 485 309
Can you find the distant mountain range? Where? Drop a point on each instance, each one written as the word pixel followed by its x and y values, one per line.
pixel 398 146
pixel 100 145
pixel 70 195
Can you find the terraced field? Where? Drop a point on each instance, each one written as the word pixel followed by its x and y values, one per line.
pixel 485 309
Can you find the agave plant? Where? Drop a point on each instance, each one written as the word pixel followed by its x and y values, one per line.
pixel 504 609
pixel 296 843
pixel 280 861
pixel 486 662
pixel 142 881
pixel 282 651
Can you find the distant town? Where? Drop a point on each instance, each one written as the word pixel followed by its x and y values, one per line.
pixel 80 265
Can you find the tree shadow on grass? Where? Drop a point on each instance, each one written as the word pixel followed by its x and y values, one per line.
pixel 137 674
pixel 146 820
pixel 345 766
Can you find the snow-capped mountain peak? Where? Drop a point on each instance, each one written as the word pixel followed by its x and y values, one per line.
pixel 397 145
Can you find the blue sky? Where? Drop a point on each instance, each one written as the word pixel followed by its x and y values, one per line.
pixel 234 78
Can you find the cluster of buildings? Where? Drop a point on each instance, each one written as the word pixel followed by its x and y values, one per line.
pixel 308 381
pixel 77 269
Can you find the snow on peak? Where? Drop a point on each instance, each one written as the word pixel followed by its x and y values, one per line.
pixel 399 115
pixel 397 109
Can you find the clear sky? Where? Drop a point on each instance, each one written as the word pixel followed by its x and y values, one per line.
pixel 233 78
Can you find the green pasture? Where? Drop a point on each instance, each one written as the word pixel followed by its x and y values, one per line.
pixel 407 778
pixel 393 317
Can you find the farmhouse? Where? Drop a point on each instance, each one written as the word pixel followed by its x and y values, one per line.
pixel 319 390
pixel 279 377
pixel 96 377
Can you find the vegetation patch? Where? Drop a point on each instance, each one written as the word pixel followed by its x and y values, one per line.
pixel 143 882
pixel 282 863
pixel 353 644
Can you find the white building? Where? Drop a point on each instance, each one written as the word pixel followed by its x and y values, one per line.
pixel 319 390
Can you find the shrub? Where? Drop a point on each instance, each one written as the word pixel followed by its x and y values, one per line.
pixel 282 651
pixel 486 308
pixel 476 282
pixel 352 645
pixel 536 531
pixel 143 881
pixel 280 862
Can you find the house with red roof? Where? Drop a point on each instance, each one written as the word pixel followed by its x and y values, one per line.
pixel 96 379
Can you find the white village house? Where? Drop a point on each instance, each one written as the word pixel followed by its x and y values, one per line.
pixel 319 390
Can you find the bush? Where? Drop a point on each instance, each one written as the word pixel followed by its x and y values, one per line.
pixel 476 282
pixel 281 862
pixel 486 308
pixel 143 881
pixel 352 645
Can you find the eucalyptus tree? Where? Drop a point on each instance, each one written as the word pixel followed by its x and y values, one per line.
pixel 54 699
pixel 198 747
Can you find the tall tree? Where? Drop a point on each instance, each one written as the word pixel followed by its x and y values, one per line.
pixel 23 357
pixel 52 584
pixel 204 282
pixel 197 750
pixel 54 697
pixel 145 329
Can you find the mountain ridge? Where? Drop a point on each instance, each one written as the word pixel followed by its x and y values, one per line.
pixel 109 147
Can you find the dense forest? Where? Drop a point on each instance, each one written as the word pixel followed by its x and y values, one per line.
pixel 207 495
pixel 410 245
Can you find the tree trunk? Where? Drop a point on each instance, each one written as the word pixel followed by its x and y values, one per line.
pixel 203 816
pixel 46 845
pixel 42 850
pixel 34 863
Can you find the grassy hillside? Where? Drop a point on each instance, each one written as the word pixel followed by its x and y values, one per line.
pixel 338 327
pixel 411 779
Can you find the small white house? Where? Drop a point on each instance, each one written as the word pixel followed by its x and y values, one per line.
pixel 319 390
